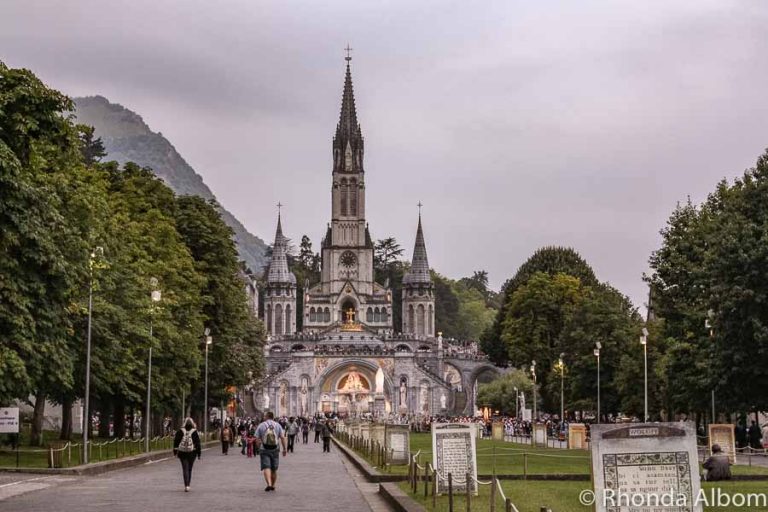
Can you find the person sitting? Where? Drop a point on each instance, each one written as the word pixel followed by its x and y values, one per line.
pixel 718 465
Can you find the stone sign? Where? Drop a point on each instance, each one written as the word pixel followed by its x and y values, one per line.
pixel 398 443
pixel 647 466
pixel 377 433
pixel 723 434
pixel 453 451
pixel 497 431
pixel 539 434
pixel 9 420
pixel 577 436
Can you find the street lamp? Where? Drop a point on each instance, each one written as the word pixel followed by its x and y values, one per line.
pixel 708 325
pixel 533 374
pixel 598 346
pixel 644 343
pixel 561 367
pixel 208 342
pixel 96 253
pixel 155 296
pixel 517 402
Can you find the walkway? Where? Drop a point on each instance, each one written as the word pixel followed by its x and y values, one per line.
pixel 309 480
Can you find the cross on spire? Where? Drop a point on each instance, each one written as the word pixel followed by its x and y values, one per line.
pixel 279 207
pixel 348 50
pixel 419 205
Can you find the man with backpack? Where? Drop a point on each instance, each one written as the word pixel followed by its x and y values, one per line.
pixel 186 446
pixel 269 437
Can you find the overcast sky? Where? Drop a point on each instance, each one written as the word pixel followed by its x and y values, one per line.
pixel 518 124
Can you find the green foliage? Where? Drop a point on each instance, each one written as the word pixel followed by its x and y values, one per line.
pixel 549 260
pixel 306 268
pixel 713 258
pixel 461 311
pixel 500 393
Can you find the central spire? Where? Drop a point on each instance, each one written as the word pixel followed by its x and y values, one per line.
pixel 348 141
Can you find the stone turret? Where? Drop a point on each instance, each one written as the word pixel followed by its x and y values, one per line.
pixel 280 293
pixel 418 292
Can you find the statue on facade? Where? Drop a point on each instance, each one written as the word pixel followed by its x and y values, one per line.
pixel 443 401
pixel 379 381
pixel 403 393
pixel 266 399
pixel 303 396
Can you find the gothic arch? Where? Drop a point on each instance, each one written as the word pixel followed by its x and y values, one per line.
pixel 279 319
pixel 411 319
pixel 344 197
pixel 420 320
pixel 288 322
pixel 431 321
pixel 270 328
pixel 353 197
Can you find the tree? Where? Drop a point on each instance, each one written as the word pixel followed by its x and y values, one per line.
pixel 386 251
pixel 91 149
pixel 500 393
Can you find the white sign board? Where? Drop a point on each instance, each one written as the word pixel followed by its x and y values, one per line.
pixel 398 443
pixel 527 414
pixel 9 420
pixel 377 433
pixel 453 451
pixel 540 434
pixel 646 466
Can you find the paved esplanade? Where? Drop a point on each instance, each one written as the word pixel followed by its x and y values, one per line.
pixel 309 480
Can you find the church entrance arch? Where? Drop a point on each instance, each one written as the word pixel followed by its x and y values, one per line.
pixel 349 388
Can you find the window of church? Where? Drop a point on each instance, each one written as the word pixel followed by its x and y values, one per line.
pixel 269 319
pixel 312 315
pixel 288 319
pixel 420 320
pixel 369 315
pixel 430 320
pixel 327 315
pixel 411 319
pixel 353 197
pixel 279 319
pixel 377 315
pixel 344 197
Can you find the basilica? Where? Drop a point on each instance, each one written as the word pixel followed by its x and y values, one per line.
pixel 349 358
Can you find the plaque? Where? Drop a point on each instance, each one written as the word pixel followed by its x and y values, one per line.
pixel 377 433
pixel 453 451
pixel 647 466
pixel 723 434
pixel 9 420
pixel 365 431
pixel 398 443
pixel 497 431
pixel 540 434
pixel 577 436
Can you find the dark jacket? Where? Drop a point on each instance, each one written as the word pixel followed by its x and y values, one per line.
pixel 718 467
pixel 195 439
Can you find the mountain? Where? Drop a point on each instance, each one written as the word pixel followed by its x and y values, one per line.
pixel 127 138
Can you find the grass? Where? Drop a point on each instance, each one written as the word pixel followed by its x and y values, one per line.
pixel 530 496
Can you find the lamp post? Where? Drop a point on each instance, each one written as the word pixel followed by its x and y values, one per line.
pixel 96 253
pixel 644 343
pixel 208 342
pixel 708 325
pixel 517 403
pixel 598 346
pixel 533 375
pixel 561 367
pixel 155 295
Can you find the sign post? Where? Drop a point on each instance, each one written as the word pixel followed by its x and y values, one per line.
pixel 9 424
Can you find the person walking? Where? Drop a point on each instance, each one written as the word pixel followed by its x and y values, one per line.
pixel 326 434
pixel 186 446
pixel 269 436
pixel 318 429
pixel 755 435
pixel 292 431
pixel 305 431
pixel 226 437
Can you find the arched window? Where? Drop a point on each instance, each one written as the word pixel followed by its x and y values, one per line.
pixel 431 321
pixel 270 330
pixel 369 315
pixel 353 196
pixel 377 315
pixel 312 315
pixel 344 197
pixel 278 319
pixel 288 319
pixel 411 319
pixel 420 320
pixel 384 315
pixel 327 315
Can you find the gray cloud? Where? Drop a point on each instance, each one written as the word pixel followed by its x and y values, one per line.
pixel 518 124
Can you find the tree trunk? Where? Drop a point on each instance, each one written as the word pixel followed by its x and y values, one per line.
pixel 131 419
pixel 66 418
pixel 104 417
pixel 119 417
pixel 36 438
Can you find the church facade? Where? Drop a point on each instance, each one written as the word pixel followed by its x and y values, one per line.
pixel 349 358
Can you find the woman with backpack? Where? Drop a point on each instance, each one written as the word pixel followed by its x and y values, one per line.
pixel 186 446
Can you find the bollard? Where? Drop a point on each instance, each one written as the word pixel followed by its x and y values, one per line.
pixel 508 505
pixel 469 492
pixel 525 465
pixel 450 493
pixel 493 494
pixel 426 482
pixel 69 454
pixel 434 489
pixel 50 457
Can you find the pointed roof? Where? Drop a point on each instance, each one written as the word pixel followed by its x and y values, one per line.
pixel 278 267
pixel 348 135
pixel 419 272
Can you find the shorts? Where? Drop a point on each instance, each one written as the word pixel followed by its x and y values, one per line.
pixel 270 458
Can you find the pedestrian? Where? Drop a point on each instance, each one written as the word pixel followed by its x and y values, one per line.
pixel 292 430
pixel 318 429
pixel 269 436
pixel 305 431
pixel 226 436
pixel 186 446
pixel 326 433
pixel 718 465
pixel 755 435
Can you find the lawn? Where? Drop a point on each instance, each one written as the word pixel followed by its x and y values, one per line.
pixel 530 496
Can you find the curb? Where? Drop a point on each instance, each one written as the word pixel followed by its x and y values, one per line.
pixel 397 499
pixel 98 468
